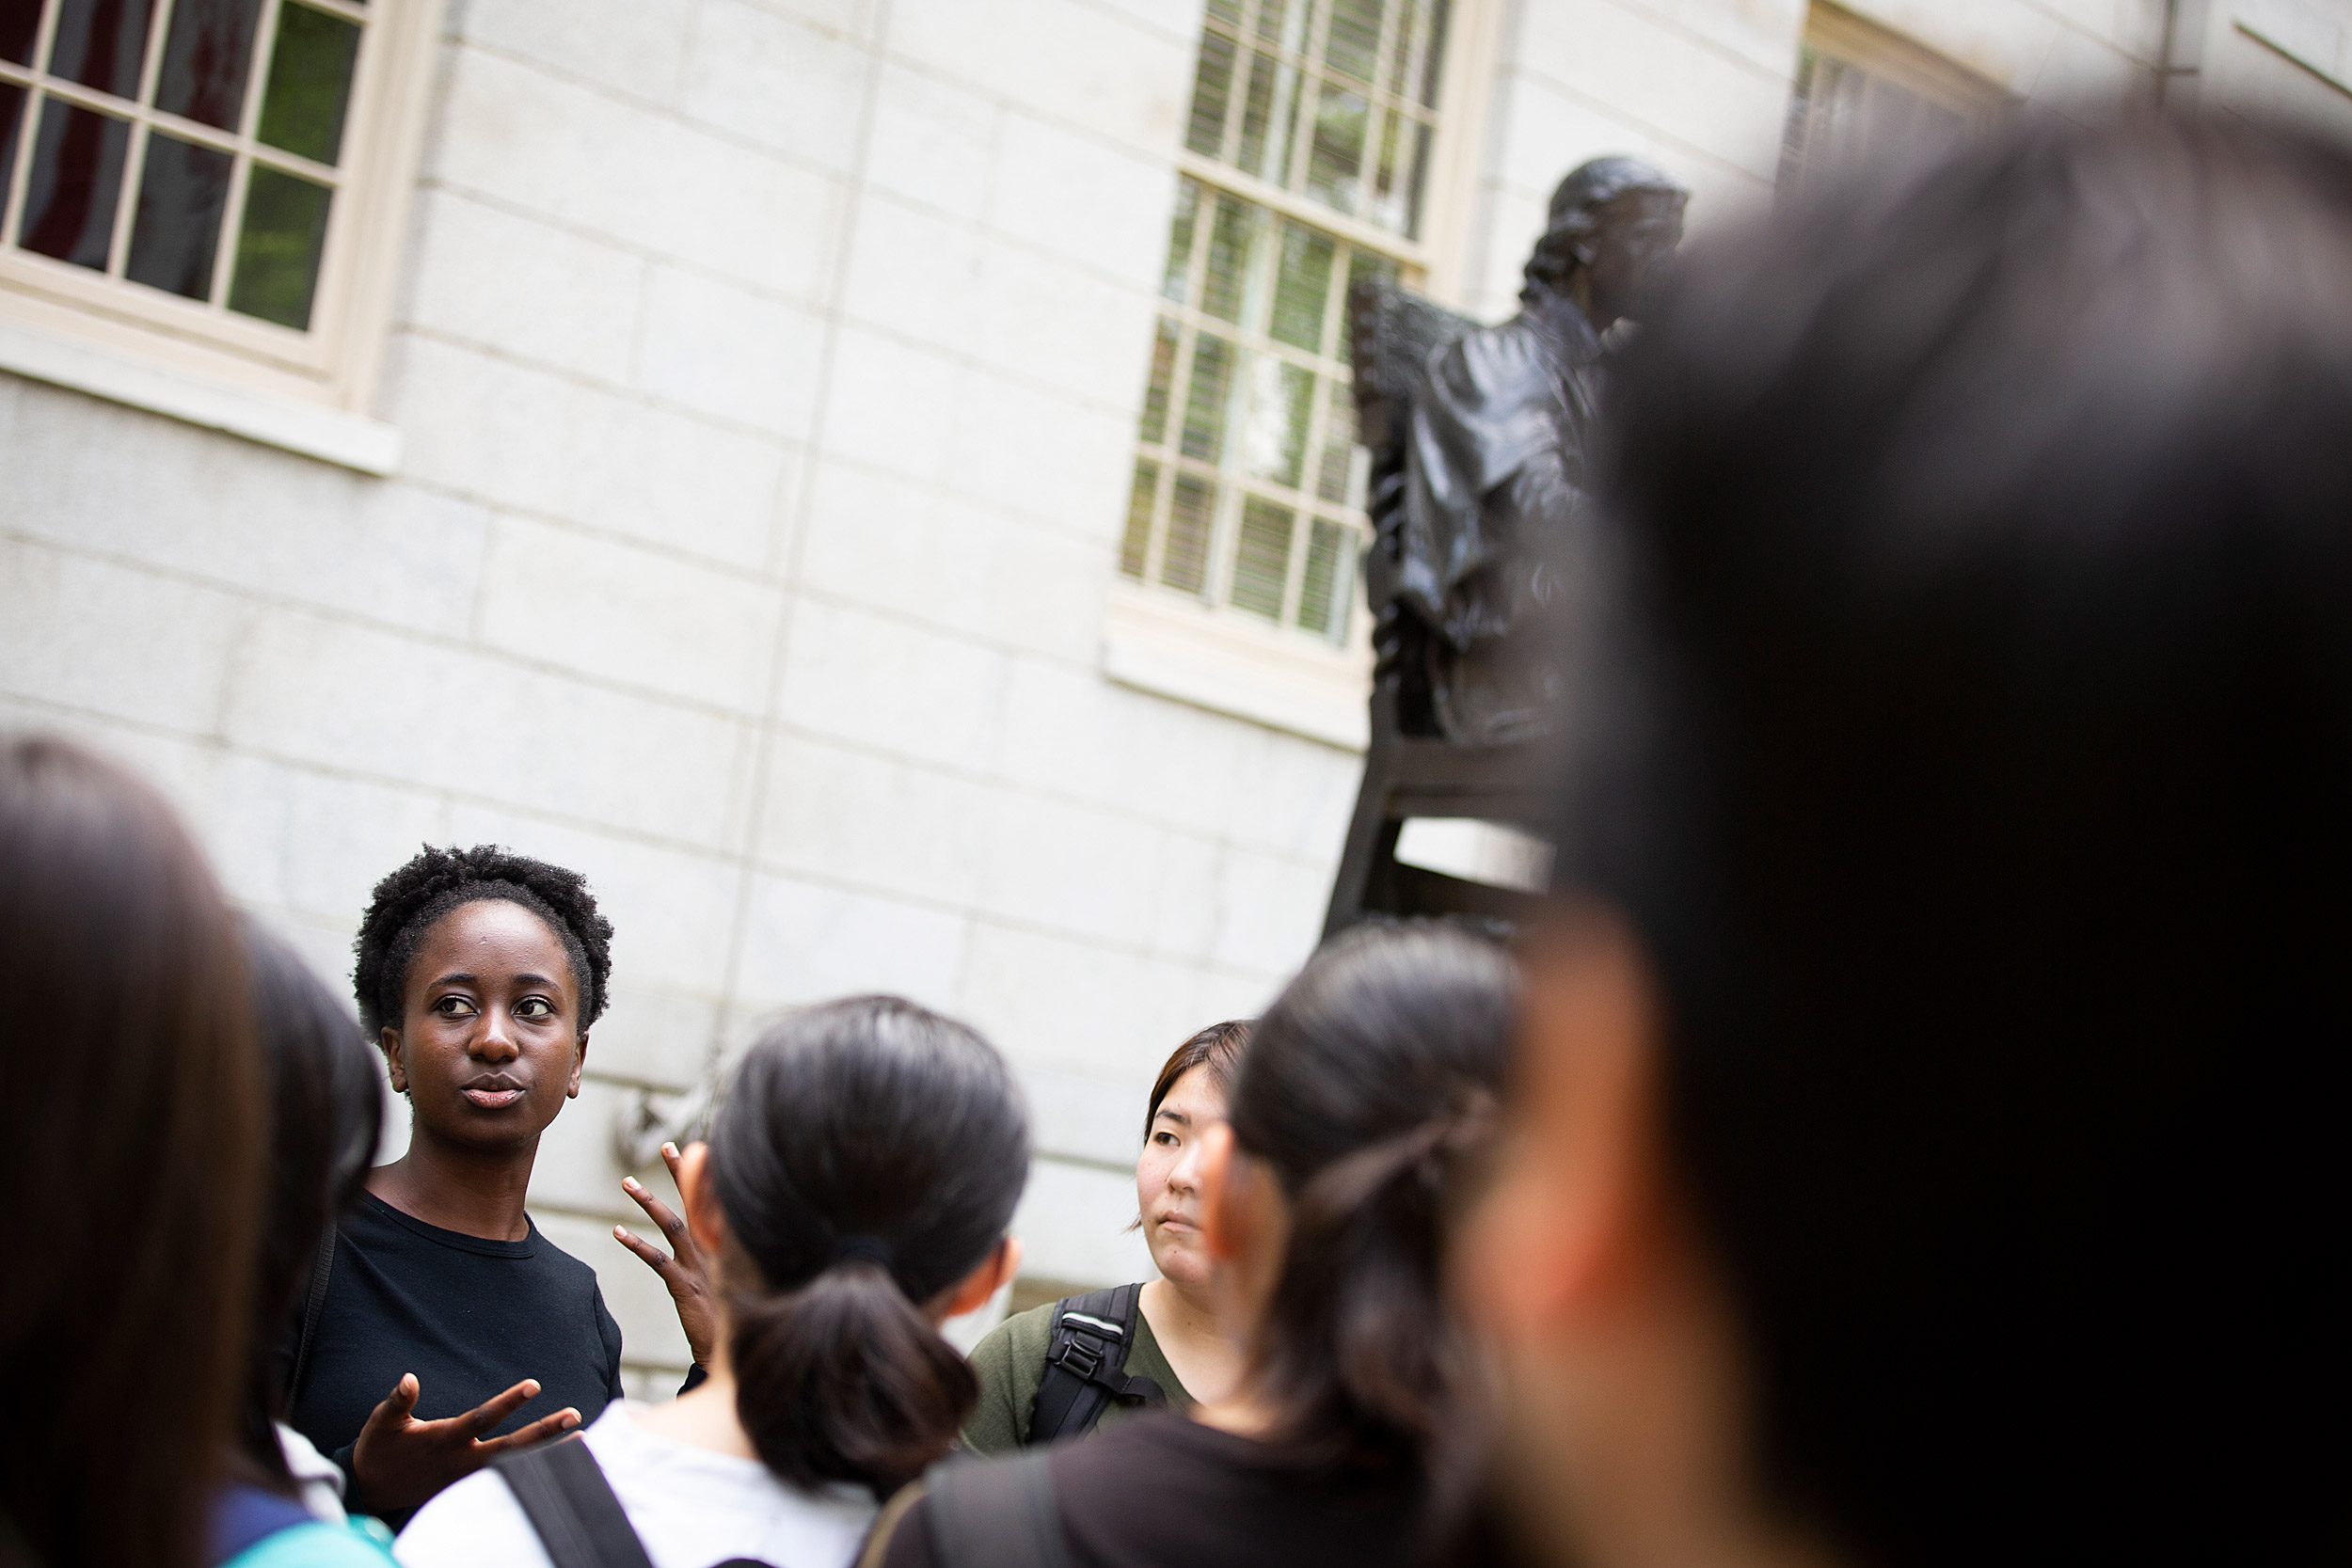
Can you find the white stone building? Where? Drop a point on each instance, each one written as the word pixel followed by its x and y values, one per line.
pixel 867 481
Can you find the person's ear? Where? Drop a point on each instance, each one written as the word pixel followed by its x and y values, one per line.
pixel 395 1062
pixel 1578 1212
pixel 697 1194
pixel 579 1061
pixel 1225 1219
pixel 970 1292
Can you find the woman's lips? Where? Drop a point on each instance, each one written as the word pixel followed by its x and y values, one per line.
pixel 1175 1221
pixel 493 1100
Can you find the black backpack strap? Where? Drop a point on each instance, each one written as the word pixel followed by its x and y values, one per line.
pixel 565 1495
pixel 1086 1364
pixel 996 1513
pixel 321 1270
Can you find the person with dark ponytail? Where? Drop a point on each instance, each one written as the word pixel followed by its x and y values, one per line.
pixel 861 1172
pixel 1360 1119
pixel 440 1328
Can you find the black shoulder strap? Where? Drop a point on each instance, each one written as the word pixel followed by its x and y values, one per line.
pixel 320 1273
pixel 996 1513
pixel 1086 1364
pixel 565 1495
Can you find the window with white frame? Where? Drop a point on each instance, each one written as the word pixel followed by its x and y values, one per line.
pixel 1860 88
pixel 205 178
pixel 1309 157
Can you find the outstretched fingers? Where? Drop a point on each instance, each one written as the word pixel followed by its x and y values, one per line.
pixel 498 1407
pixel 539 1431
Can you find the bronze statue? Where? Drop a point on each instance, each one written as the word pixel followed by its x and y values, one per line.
pixel 1479 439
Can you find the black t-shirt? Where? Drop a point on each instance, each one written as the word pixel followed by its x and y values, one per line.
pixel 469 1316
pixel 1162 1491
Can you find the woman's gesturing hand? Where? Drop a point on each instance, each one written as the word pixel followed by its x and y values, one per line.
pixel 399 1460
pixel 680 1268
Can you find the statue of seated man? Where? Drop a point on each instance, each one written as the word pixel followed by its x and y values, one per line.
pixel 1480 450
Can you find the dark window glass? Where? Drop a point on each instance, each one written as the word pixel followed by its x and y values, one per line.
pixel 11 115
pixel 1203 435
pixel 1213 88
pixel 1138 541
pixel 100 44
pixel 1262 559
pixel 1433 69
pixel 1352 42
pixel 278 248
pixel 1324 590
pixel 77 176
pixel 1300 287
pixel 206 60
pixel 20 20
pixel 1185 560
pixel 176 232
pixel 309 83
pixel 1155 425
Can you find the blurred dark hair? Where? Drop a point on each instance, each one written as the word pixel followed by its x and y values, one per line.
pixel 1369 1090
pixel 867 1157
pixel 326 1116
pixel 1218 1047
pixel 131 1122
pixel 1973 757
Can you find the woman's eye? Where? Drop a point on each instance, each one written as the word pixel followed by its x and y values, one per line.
pixel 451 1005
pixel 534 1006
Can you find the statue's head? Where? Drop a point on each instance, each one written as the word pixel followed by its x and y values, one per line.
pixel 1611 222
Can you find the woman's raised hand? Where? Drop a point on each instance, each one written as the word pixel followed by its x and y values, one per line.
pixel 681 1268
pixel 399 1460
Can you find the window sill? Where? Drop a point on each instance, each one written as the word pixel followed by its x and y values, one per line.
pixel 314 430
pixel 1176 647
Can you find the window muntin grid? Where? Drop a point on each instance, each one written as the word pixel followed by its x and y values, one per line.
pixel 1247 492
pixel 192 146
pixel 1248 486
pixel 1332 100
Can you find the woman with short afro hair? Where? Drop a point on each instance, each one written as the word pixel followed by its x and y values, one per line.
pixel 441 1328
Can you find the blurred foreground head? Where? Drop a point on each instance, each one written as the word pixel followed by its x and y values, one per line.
pixel 1924 1156
pixel 131 1120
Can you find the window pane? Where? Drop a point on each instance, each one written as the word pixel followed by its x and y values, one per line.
pixel 20 20
pixel 1432 64
pixel 176 232
pixel 1324 596
pixel 206 58
pixel 76 180
pixel 1204 406
pixel 309 83
pixel 1178 275
pixel 1412 32
pixel 1280 21
pixel 1267 115
pixel 1237 227
pixel 1138 541
pixel 12 115
pixel 1154 427
pixel 1227 11
pixel 1338 442
pixel 1211 89
pixel 1364 263
pixel 1354 41
pixel 1185 562
pixel 1301 288
pixel 1261 559
pixel 1338 151
pixel 1415 178
pixel 277 249
pixel 1282 398
pixel 100 44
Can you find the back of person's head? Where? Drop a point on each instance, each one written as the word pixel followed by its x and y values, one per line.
pixel 1974 764
pixel 130 1121
pixel 867 1158
pixel 1369 1089
pixel 325 1102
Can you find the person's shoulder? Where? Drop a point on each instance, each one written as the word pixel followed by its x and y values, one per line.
pixel 476 1520
pixel 316 1545
pixel 1020 1339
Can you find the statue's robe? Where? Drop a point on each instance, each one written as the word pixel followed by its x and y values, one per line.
pixel 1495 496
